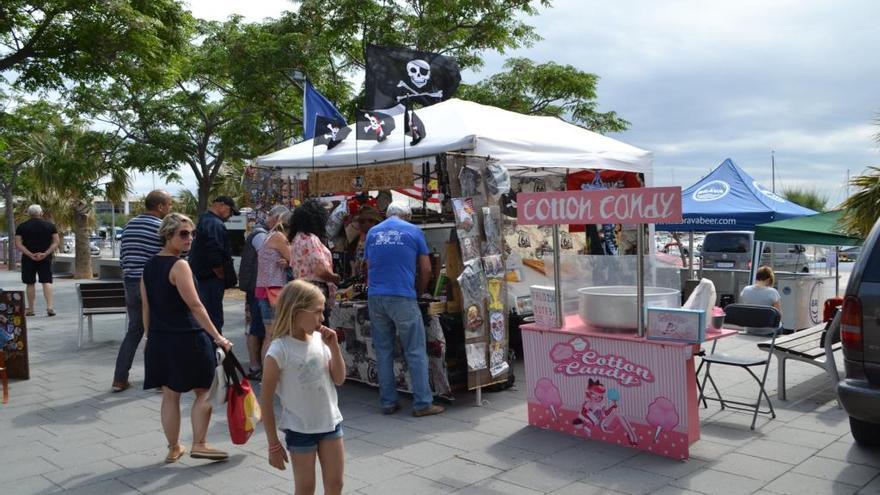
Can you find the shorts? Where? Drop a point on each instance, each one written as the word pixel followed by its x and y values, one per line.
pixel 266 310
pixel 30 269
pixel 306 443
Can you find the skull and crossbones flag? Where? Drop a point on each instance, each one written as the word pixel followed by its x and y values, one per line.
pixel 413 126
pixel 373 126
pixel 397 76
pixel 329 131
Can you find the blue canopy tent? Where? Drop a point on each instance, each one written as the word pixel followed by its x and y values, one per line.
pixel 730 199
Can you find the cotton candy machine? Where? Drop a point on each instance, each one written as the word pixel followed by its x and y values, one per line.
pixel 613 308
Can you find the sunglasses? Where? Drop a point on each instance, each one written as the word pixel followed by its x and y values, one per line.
pixel 186 234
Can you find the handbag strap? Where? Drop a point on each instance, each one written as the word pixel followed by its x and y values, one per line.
pixel 232 368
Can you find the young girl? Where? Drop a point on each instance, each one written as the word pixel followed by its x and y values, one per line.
pixel 304 363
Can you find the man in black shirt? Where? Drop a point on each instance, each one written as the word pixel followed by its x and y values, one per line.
pixel 211 257
pixel 37 239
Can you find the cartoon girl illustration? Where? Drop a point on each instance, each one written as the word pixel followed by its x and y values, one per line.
pixel 595 411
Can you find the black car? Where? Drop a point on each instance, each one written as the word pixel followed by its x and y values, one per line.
pixel 859 326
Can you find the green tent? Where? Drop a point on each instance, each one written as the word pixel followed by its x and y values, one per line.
pixel 821 229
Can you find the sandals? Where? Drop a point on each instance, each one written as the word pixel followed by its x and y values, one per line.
pixel 174 454
pixel 29 313
pixel 50 312
pixel 208 453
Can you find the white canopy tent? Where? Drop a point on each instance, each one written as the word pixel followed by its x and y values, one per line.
pixel 517 141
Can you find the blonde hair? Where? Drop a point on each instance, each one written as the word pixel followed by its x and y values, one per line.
pixel 171 223
pixel 765 273
pixel 296 296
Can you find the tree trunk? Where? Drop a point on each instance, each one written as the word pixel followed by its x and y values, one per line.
pixel 203 192
pixel 10 227
pixel 83 256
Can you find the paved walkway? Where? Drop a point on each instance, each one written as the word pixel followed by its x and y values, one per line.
pixel 64 432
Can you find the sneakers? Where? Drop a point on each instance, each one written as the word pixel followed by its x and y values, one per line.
pixel 120 386
pixel 429 411
pixel 50 312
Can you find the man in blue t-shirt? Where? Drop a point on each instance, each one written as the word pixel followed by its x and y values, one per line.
pixel 395 250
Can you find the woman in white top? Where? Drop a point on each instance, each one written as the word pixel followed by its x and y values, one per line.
pixel 762 293
pixel 303 366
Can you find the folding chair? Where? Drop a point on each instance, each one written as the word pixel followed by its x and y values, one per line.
pixel 745 315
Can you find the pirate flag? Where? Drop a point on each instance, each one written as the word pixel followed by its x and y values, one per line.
pixel 374 126
pixel 329 131
pixel 413 126
pixel 398 76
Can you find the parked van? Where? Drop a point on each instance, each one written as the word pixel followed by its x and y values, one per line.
pixel 733 250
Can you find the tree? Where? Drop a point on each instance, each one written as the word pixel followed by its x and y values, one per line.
pixel 76 164
pixel 808 198
pixel 44 42
pixel 17 124
pixel 862 209
pixel 545 89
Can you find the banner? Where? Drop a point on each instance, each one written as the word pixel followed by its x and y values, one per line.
pixel 625 206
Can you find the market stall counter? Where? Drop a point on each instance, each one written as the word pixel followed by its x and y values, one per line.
pixel 613 387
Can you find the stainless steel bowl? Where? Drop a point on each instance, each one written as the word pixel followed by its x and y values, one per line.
pixel 613 308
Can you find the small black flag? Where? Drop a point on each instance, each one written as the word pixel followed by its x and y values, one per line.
pixel 413 126
pixel 395 76
pixel 374 126
pixel 330 131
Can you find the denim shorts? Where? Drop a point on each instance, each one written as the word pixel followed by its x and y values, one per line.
pixel 305 443
pixel 266 310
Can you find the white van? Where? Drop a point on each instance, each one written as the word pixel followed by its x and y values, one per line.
pixel 733 250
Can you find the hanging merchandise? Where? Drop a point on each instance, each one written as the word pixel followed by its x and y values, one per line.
pixel 476 355
pixel 470 180
pixel 495 302
pixel 472 280
pixel 473 324
pixel 492 230
pixel 497 180
pixel 470 248
pixel 493 266
pixel 497 359
pixel 336 220
pixel 496 326
pixel 465 217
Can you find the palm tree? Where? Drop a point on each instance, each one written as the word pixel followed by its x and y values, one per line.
pixel 74 165
pixel 862 209
pixel 808 198
pixel 187 203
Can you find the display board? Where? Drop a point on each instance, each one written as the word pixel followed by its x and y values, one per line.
pixel 372 178
pixel 13 333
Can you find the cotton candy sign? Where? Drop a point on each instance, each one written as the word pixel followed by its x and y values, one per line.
pixel 612 206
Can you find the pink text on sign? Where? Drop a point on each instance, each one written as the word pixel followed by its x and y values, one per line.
pixel 627 206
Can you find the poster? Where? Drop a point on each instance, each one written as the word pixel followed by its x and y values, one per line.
pixel 13 333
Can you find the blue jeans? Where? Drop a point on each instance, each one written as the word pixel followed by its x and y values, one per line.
pixel 396 315
pixel 257 328
pixel 135 331
pixel 211 292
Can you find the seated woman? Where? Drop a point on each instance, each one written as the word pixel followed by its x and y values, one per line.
pixel 762 293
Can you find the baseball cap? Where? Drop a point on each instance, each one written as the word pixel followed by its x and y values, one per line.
pixel 226 200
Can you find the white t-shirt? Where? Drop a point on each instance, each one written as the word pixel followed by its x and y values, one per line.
pixel 308 394
pixel 759 295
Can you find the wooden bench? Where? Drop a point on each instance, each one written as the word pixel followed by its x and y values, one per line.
pixel 99 298
pixel 807 345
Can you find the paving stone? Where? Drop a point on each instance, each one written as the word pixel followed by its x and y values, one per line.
pixel 851 452
pixel 357 448
pixel 424 453
pixel 798 436
pixel 800 484
pixel 31 467
pixel 674 490
pixel 834 470
pixel 501 426
pixel 242 480
pixel 540 477
pixel 581 488
pixel 663 465
pixel 709 450
pixel 378 468
pixel 751 466
pixel 407 483
pixel 106 487
pixel 586 458
pixel 728 436
pixel 872 488
pixel 150 441
pixel 628 480
pixel 466 440
pixel 396 437
pixel 777 451
pixel 77 456
pixel 713 482
pixel 86 474
pixel 544 442
pixel 501 456
pixel 457 472
pixel 492 486
pixel 32 485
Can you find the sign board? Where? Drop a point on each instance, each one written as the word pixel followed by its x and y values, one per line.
pixel 367 178
pixel 13 333
pixel 612 206
pixel 544 305
pixel 677 325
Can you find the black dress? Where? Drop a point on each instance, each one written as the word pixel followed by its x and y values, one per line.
pixel 179 354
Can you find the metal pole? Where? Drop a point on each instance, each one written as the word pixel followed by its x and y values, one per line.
pixel 836 271
pixel 691 254
pixel 557 282
pixel 112 229
pixel 640 278
pixel 773 168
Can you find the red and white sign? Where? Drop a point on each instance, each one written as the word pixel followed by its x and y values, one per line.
pixel 626 206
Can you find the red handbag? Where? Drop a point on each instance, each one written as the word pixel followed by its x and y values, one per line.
pixel 272 294
pixel 242 408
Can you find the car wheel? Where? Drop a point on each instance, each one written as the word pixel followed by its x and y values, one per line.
pixel 865 433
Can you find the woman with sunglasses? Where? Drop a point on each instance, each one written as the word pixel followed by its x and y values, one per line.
pixel 179 355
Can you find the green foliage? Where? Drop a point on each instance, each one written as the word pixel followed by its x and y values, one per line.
pixel 545 89
pixel 44 42
pixel 862 209
pixel 808 198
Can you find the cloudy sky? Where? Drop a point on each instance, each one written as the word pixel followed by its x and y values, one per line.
pixel 704 81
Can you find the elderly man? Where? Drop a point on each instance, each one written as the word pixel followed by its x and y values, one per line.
pixel 140 242
pixel 211 257
pixel 36 239
pixel 247 282
pixel 394 250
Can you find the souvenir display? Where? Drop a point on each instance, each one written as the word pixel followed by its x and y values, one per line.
pixel 470 180
pixel 495 301
pixel 493 266
pixel 492 230
pixel 496 326
pixel 476 355
pixel 497 359
pixel 465 217
pixel 473 324
pixel 470 248
pixel 472 281
pixel 497 180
